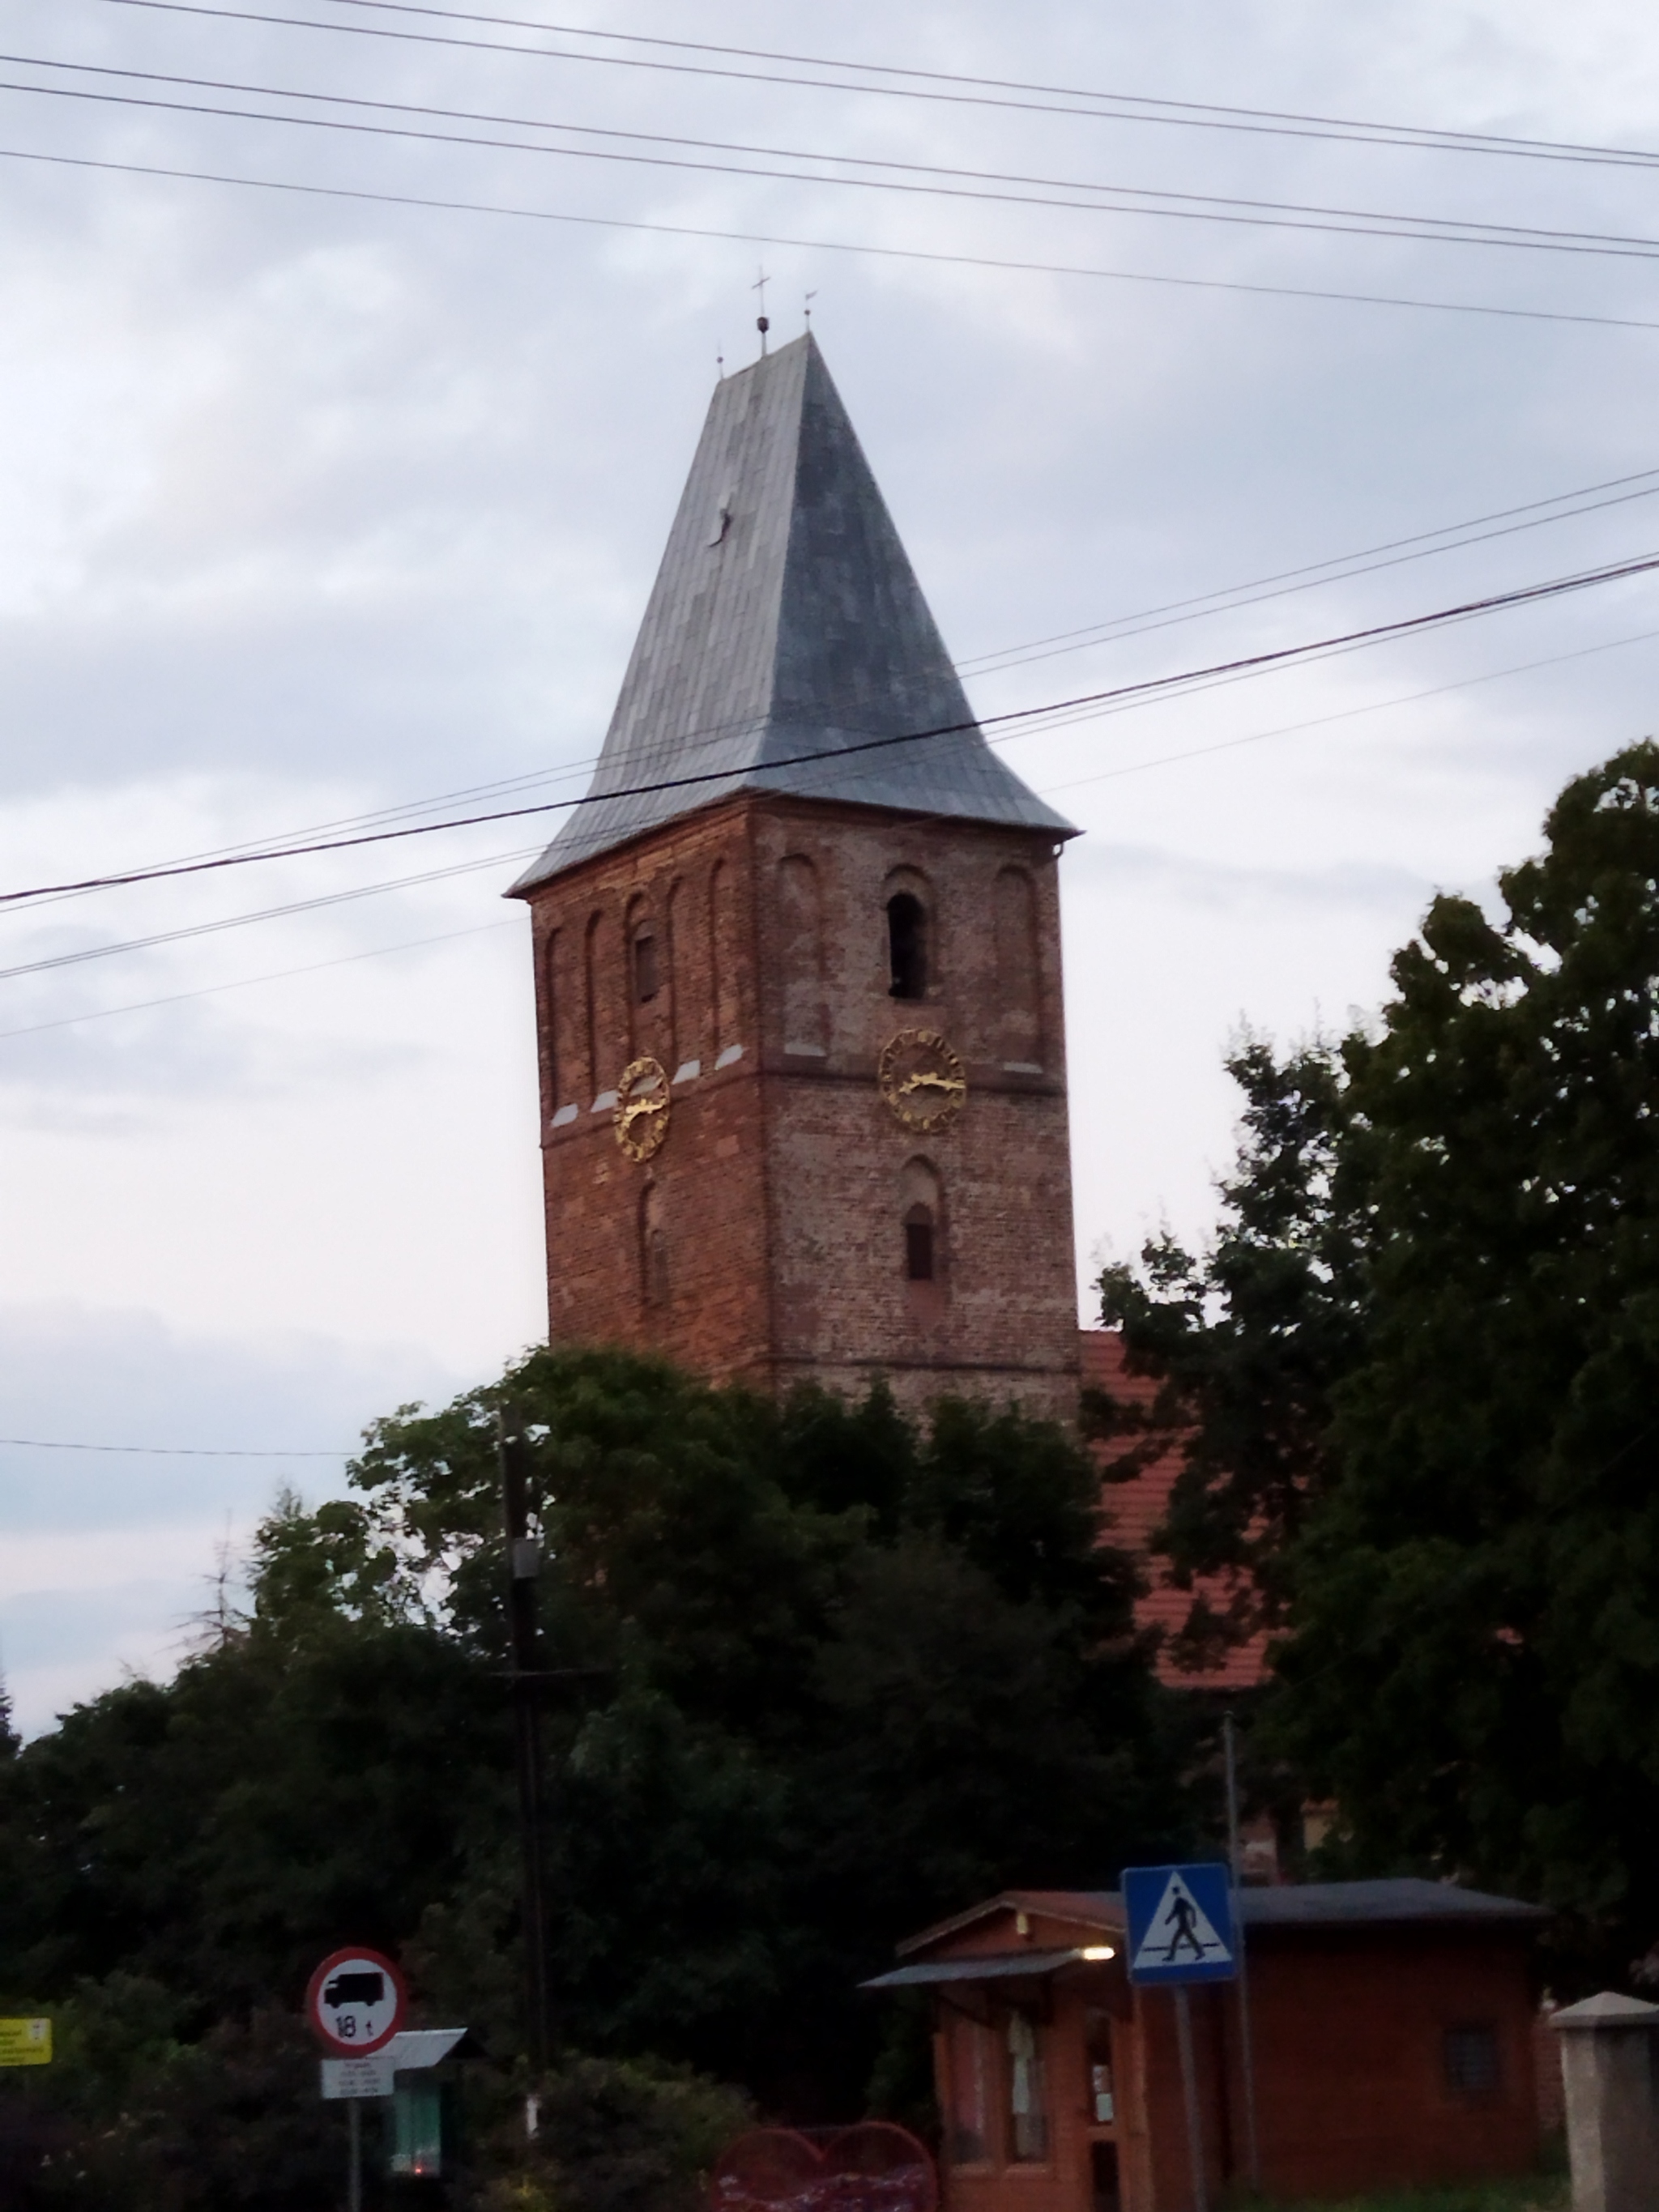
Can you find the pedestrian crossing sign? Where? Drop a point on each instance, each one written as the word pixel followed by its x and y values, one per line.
pixel 1179 1924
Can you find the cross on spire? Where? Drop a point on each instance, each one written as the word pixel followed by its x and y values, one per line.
pixel 761 323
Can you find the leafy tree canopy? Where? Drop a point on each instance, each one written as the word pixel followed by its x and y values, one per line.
pixel 831 1673
pixel 1418 1371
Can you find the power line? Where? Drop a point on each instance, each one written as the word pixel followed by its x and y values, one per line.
pixel 163 1451
pixel 1006 264
pixel 1110 198
pixel 83 953
pixel 1346 713
pixel 1217 602
pixel 247 982
pixel 1130 767
pixel 1246 665
pixel 1121 108
pixel 1010 657
pixel 1337 570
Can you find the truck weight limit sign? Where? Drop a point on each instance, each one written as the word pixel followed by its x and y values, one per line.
pixel 354 2003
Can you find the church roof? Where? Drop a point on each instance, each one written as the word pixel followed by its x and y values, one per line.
pixel 786 639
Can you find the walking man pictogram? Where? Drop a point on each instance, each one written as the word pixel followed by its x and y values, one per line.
pixel 1183 1912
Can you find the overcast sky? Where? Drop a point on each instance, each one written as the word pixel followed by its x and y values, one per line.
pixel 313 505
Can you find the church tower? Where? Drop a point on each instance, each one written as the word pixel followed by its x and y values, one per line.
pixel 797 979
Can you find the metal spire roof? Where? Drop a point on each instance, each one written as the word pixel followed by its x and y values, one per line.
pixel 785 632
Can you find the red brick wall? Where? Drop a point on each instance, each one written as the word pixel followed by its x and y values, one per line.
pixel 778 1195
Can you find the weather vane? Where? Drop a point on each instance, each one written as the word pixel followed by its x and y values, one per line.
pixel 806 308
pixel 760 322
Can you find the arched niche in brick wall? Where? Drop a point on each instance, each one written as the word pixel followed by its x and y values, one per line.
pixel 653 1248
pixel 553 1012
pixel 645 979
pixel 1019 972
pixel 682 996
pixel 593 1015
pixel 920 1239
pixel 725 1005
pixel 799 938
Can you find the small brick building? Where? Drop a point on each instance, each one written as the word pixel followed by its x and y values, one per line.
pixel 1391 2036
pixel 798 972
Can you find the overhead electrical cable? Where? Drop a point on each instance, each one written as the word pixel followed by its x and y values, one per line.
pixel 246 982
pixel 164 1451
pixel 1343 714
pixel 1150 687
pixel 1048 791
pixel 1143 201
pixel 924 85
pixel 83 953
pixel 1338 570
pixel 1006 264
pixel 398 810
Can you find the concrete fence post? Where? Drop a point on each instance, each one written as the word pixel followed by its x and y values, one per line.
pixel 1610 2074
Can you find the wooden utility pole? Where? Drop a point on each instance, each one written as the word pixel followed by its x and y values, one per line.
pixel 525 1677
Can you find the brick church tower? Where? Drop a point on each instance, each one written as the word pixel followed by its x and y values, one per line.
pixel 797 979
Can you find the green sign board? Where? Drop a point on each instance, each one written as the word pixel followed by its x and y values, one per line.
pixel 25 2043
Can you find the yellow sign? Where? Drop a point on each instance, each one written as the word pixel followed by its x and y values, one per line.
pixel 25 2043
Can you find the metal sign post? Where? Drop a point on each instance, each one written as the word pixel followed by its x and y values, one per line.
pixel 1180 1931
pixel 1246 2041
pixel 524 1563
pixel 355 2004
pixel 1183 2014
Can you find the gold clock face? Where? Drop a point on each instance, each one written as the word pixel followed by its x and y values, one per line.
pixel 921 1079
pixel 641 1110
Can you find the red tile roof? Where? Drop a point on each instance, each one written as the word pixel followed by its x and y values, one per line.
pixel 1135 1508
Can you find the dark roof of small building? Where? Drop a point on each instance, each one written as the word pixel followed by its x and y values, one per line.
pixel 983 1966
pixel 1400 1900
pixel 787 646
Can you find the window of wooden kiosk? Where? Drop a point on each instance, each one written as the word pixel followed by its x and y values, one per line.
pixel 968 2063
pixel 1028 2096
pixel 1098 2087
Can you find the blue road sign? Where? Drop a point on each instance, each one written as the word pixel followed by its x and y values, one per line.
pixel 1181 1924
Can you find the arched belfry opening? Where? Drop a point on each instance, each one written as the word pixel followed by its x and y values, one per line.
pixel 906 946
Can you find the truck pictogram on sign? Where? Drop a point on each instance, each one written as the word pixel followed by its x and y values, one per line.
pixel 354 2003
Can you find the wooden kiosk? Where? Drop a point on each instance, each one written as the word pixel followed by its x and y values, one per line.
pixel 1391 2033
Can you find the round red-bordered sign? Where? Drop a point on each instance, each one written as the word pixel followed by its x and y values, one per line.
pixel 354 2003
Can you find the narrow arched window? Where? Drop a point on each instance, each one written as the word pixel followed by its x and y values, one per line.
pixel 906 945
pixel 646 975
pixel 919 1256
pixel 654 1248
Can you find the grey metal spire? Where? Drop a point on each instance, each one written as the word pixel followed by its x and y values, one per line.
pixel 785 633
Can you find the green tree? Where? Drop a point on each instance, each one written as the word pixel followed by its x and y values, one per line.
pixel 1460 1535
pixel 1247 1340
pixel 829 1673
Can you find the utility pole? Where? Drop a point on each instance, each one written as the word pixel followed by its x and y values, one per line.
pixel 1236 1861
pixel 523 1565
